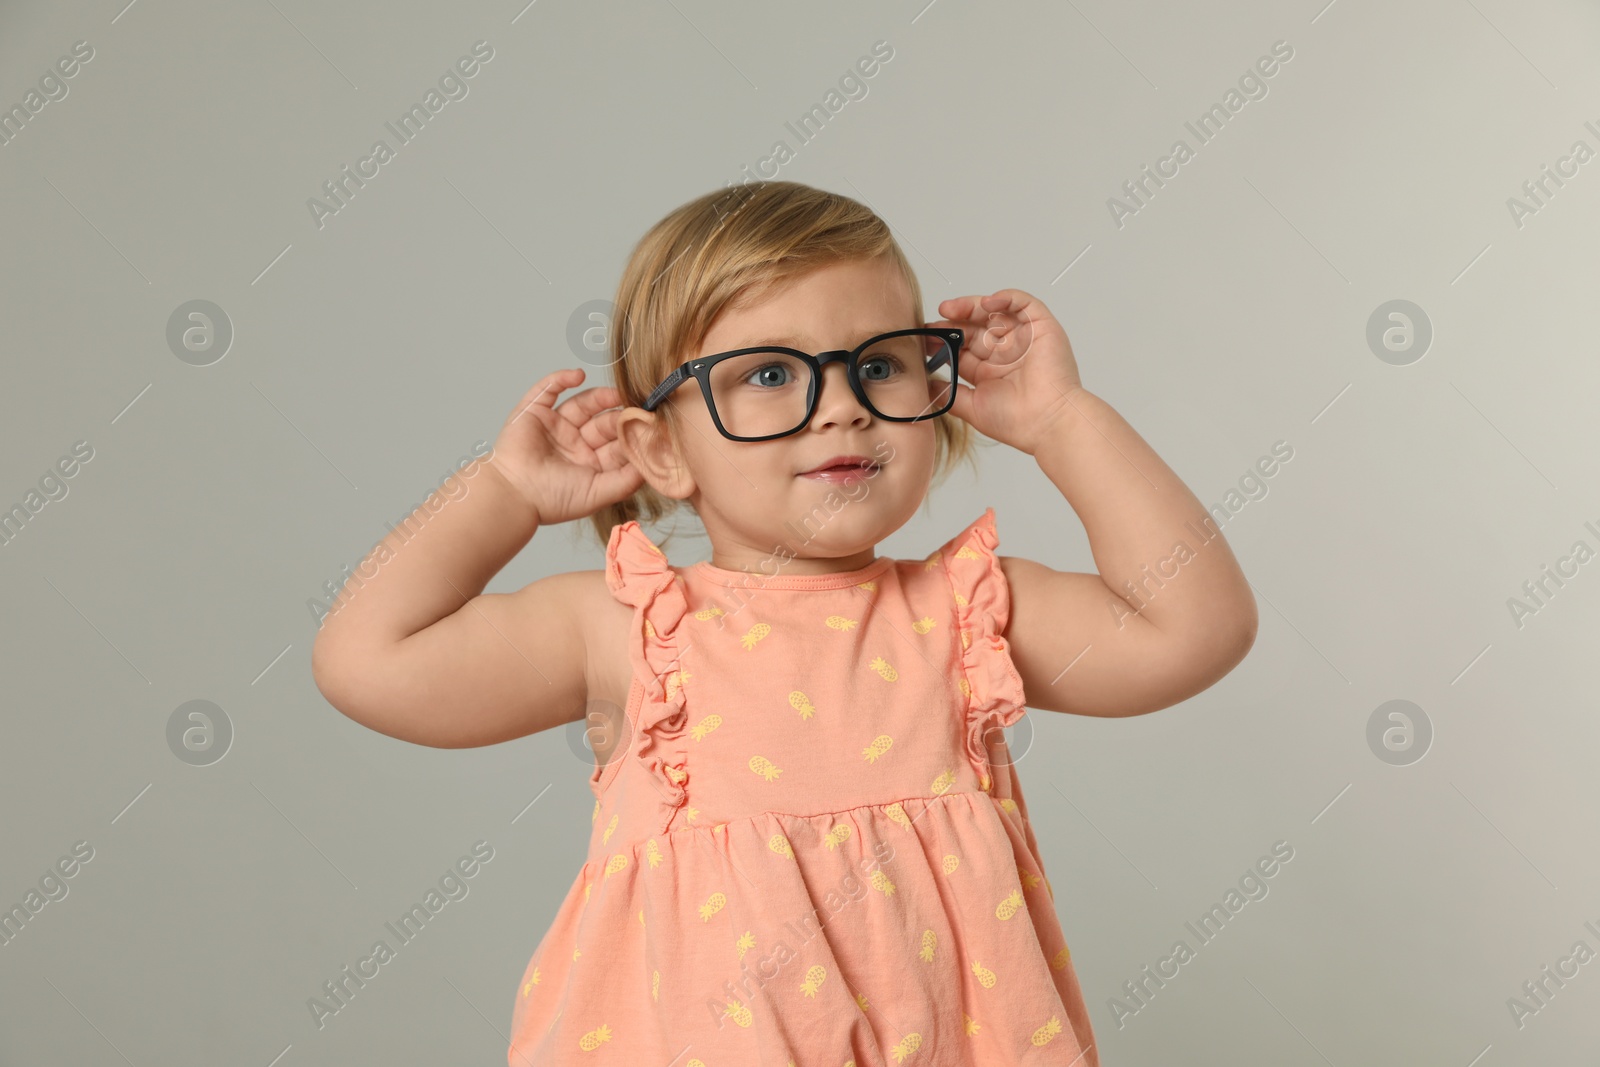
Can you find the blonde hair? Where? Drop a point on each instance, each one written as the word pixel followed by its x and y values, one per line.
pixel 728 248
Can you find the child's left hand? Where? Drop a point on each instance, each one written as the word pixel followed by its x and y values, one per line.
pixel 1020 363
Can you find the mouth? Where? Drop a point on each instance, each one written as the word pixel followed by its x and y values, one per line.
pixel 844 468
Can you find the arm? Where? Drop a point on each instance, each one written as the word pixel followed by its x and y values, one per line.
pixel 419 652
pixel 1170 612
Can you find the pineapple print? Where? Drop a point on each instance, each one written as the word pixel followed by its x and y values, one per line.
pixel 950 864
pixel 802 703
pixel 611 828
pixel 754 634
pixel 861 1002
pixel 746 942
pixel 929 940
pixel 596 814
pixel 983 783
pixel 886 672
pixel 1048 888
pixel 714 903
pixel 839 622
pixel 707 614
pixel 705 726
pixel 738 1013
pixel 1010 906
pixel 641 916
pixel 690 814
pixel 1059 960
pixel 677 774
pixel 586 892
pixel 531 982
pixel 837 836
pixel 961 600
pixel 906 1047
pixel 985 976
pixel 615 864
pixel 780 844
pixel 1009 805
pixel 969 1025
pixel 814 979
pixel 923 625
pixel 655 985
pixel 943 783
pixel 652 853
pixel 881 883
pixel 966 552
pixel 1046 1033
pixel 879 746
pixel 1028 879
pixel 595 1038
pixel 897 815
pixel 676 681
pixel 931 562
pixel 966 638
pixel 965 687
pixel 763 766
pixel 869 585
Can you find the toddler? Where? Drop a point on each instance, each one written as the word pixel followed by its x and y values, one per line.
pixel 809 844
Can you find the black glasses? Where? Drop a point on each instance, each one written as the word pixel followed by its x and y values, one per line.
pixel 756 394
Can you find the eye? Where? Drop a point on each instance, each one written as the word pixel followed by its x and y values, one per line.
pixel 769 375
pixel 880 368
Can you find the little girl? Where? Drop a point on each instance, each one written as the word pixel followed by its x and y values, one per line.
pixel 809 845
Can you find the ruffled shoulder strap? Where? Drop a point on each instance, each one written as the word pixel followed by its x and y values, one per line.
pixel 983 608
pixel 638 574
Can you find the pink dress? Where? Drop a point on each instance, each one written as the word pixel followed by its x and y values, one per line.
pixel 804 853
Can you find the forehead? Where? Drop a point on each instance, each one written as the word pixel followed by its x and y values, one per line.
pixel 837 306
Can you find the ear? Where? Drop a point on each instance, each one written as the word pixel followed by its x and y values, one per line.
pixel 647 441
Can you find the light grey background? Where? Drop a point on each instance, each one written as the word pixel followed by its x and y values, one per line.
pixel 1229 314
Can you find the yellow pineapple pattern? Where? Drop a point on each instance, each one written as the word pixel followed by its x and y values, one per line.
pixel 641 916
pixel 1010 906
pixel 780 844
pixel 944 782
pixel 676 680
pixel 611 828
pixel 929 940
pixel 861 1002
pixel 1060 959
pixel 1048 888
pixel 923 625
pixel 764 767
pixel 596 814
pixel 965 687
pixel 1008 805
pixel 886 672
pixel 531 982
pixel 839 622
pixel 966 552
pixel 931 562
pixel 970 1025
pixel 655 985
pixel 615 864
pixel 897 815
pixel 719 828
pixel 738 1013
pixel 746 942
pixel 802 703
pixel 985 976
pixel 754 635
pixel 814 979
pixel 586 892
pixel 1028 879
pixel 714 903
pixel 1046 1033
pixel 950 864
pixel 881 883
pixel 966 639
pixel 705 726
pixel 837 836
pixel 983 783
pixel 652 853
pixel 879 746
pixel 906 1047
pixel 595 1038
pixel 707 614
pixel 690 814
pixel 649 630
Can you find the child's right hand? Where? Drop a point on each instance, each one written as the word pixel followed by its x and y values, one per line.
pixel 565 461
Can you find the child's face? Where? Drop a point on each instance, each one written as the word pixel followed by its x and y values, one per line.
pixel 750 494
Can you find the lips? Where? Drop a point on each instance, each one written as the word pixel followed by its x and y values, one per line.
pixel 843 465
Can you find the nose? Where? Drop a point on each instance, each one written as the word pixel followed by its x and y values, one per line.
pixel 835 400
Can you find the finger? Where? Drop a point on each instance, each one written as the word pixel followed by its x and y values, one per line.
pixel 961 406
pixel 544 391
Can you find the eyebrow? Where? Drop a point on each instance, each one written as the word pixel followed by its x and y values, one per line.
pixel 791 341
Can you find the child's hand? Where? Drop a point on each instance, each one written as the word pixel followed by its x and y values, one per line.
pixel 565 461
pixel 1020 364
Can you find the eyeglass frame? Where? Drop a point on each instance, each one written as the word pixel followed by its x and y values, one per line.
pixel 700 370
